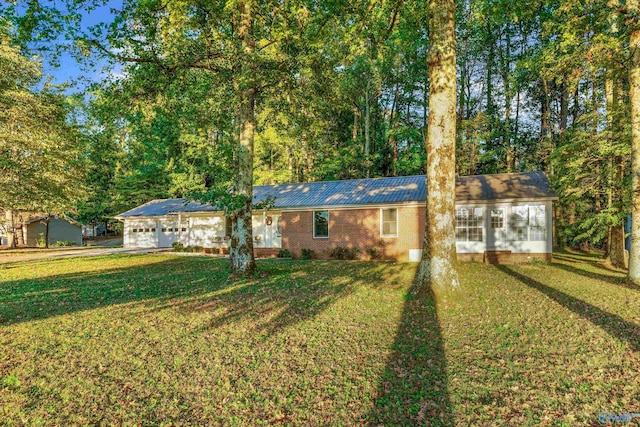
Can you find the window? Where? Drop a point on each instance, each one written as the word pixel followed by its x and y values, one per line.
pixel 153 230
pixel 184 229
pixel 146 230
pixel 519 223
pixel 469 225
pixel 497 219
pixel 537 223
pixel 389 222
pixel 227 226
pixel 164 230
pixel 320 223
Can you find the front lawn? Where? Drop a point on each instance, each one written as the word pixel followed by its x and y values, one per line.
pixel 162 339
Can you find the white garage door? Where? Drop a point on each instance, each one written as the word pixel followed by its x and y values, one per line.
pixel 142 235
pixel 168 234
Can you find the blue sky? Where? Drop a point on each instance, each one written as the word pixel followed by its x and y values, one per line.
pixel 69 70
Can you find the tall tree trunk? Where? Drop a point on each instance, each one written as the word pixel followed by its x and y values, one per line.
pixel 47 220
pixel 634 92
pixel 439 250
pixel 19 225
pixel 615 242
pixel 354 130
pixel 241 251
pixel 367 128
pixel 11 228
pixel 505 65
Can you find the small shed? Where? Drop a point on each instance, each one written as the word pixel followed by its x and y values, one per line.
pixel 61 229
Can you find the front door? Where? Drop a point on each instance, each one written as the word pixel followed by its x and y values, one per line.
pixel 273 231
pixel 497 234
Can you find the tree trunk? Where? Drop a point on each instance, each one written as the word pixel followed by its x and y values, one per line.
pixel 634 92
pixel 241 249
pixel 19 228
pixel 354 130
pixel 439 250
pixel 11 229
pixel 47 220
pixel 367 130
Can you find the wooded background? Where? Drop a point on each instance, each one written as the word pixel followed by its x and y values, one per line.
pixel 340 91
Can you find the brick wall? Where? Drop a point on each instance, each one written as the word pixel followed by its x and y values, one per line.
pixel 354 228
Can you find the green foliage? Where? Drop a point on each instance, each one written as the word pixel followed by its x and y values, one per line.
pixel 10 380
pixel 41 241
pixel 307 253
pixel 41 150
pixel 177 246
pixel 374 253
pixel 61 243
pixel 345 253
pixel 284 253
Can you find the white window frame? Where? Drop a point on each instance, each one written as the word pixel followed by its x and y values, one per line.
pixel 313 223
pixel 504 218
pixel 382 223
pixel 467 228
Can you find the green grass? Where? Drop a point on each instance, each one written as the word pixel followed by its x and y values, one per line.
pixel 162 339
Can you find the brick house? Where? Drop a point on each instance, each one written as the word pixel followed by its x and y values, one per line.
pixel 499 218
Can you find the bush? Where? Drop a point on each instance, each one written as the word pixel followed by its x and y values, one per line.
pixel 284 253
pixel 374 253
pixel 41 242
pixel 64 243
pixel 344 253
pixel 177 246
pixel 307 253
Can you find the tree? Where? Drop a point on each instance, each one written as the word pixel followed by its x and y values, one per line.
pixel 40 149
pixel 634 82
pixel 439 249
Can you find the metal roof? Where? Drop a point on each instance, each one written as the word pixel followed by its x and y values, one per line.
pixel 374 191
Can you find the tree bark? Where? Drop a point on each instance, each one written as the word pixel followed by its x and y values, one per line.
pixel 47 220
pixel 367 130
pixel 634 92
pixel 11 229
pixel 439 250
pixel 241 257
pixel 615 242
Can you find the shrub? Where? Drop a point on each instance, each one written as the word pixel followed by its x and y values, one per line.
pixel 284 253
pixel 177 246
pixel 344 253
pixel 307 253
pixel 374 253
pixel 41 242
pixel 64 243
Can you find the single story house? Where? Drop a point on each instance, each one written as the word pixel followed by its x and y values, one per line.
pixel 61 229
pixel 499 218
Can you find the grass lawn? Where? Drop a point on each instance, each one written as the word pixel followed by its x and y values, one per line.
pixel 162 339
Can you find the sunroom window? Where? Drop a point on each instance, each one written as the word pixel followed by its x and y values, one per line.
pixel 469 224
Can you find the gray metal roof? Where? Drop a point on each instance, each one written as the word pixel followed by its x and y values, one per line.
pixel 375 191
pixel 523 185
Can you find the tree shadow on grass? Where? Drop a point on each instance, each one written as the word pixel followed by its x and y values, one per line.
pixel 155 279
pixel 613 278
pixel 413 387
pixel 613 324
pixel 286 293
